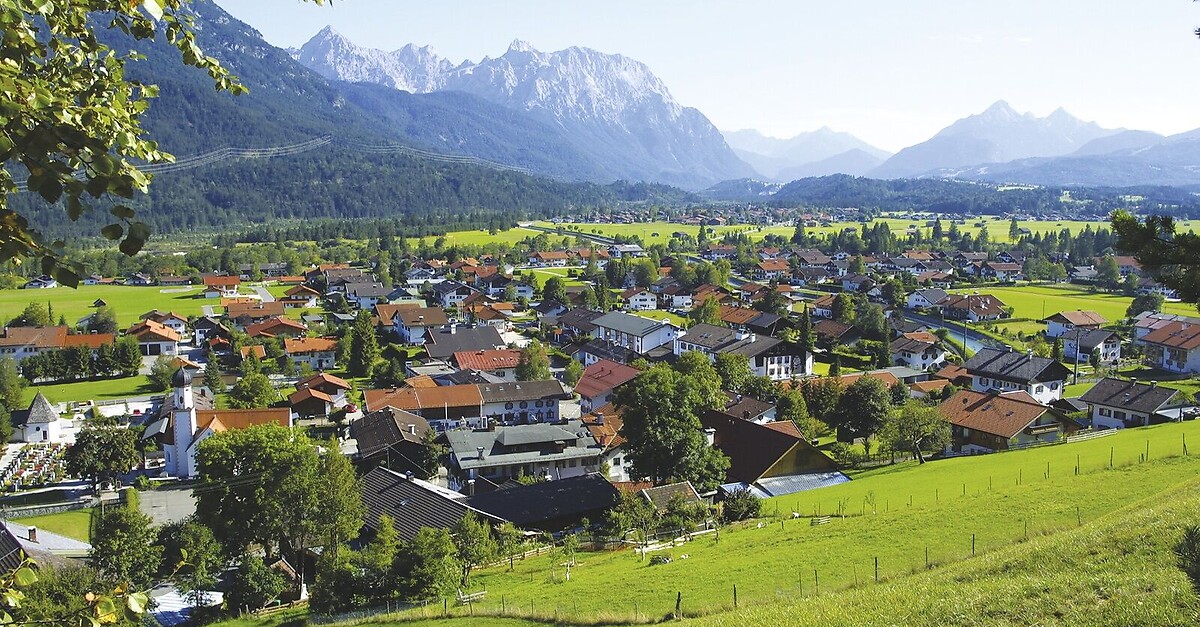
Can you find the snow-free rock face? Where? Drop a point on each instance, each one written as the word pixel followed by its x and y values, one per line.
pixel 996 135
pixel 612 106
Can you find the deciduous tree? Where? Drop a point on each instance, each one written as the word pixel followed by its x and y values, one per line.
pixel 102 453
pixel 916 427
pixel 534 363
pixel 862 409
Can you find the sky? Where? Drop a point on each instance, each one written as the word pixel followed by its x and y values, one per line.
pixel 892 73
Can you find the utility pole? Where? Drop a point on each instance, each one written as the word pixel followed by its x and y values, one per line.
pixel 1075 376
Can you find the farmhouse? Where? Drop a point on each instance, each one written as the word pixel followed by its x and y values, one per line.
pixel 920 350
pixel 551 506
pixel 217 286
pixel 769 357
pixel 155 339
pixel 1174 347
pixel 771 459
pixel 1067 322
pixel 1118 403
pixel 595 388
pixel 997 421
pixel 318 352
pixel 994 369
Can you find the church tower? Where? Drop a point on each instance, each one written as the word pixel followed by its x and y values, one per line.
pixel 183 425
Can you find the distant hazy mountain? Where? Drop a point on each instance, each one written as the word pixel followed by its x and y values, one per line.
pixel 998 135
pixel 815 153
pixel 1119 142
pixel 611 107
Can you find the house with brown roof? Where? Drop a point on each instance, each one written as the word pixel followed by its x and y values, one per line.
pixel 822 306
pixel 300 297
pixel 391 438
pixel 600 380
pixel 276 327
pixel 318 352
pixel 919 350
pixel 1067 322
pixel 319 395
pixel 982 422
pixel 218 286
pixel 415 324
pixel 605 426
pixel 1173 346
pixel 973 307
pixel 155 339
pixel 443 406
pixel 173 321
pixel 771 459
pixel 499 362
pixel 246 312
pixel 772 270
pixel 18 343
pixel 552 258
pixel 257 350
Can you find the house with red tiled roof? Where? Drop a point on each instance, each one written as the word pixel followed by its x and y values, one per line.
pixel 1173 346
pixel 605 426
pixel 772 269
pixel 999 421
pixel 155 339
pixel 319 395
pixel 276 327
pixel 600 380
pixel 218 286
pixel 500 362
pixel 822 306
pixel 318 352
pixel 554 258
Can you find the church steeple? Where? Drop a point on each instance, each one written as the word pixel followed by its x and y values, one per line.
pixel 183 415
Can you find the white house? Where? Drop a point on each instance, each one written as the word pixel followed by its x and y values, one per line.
pixel 994 369
pixel 1119 403
pixel 925 298
pixel 41 423
pixel 1067 322
pixel 1173 346
pixel 639 299
pixel 638 334
pixel 1105 345
pixel 318 352
pixel 919 350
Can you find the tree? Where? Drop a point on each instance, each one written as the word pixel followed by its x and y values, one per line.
pixel 862 409
pixel 475 544
pixel 899 393
pixel 916 427
pixel 871 322
pixel 212 374
pixel 843 308
pixel 253 390
pixel 378 558
pixel 161 372
pixel 791 407
pixel 774 302
pixel 1150 301
pixel 253 584
pixel 263 488
pixel 364 346
pixel 12 386
pixel 340 515
pixel 123 547
pixel 1108 274
pixel 799 236
pixel 857 266
pixel 741 504
pixel 430 455
pixel 821 397
pixel 128 356
pixel 555 289
pixel 105 362
pixel 1014 230
pixel 573 372
pixel 34 314
pixel 431 563
pixel 73 120
pixel 101 453
pixel 192 554
pixel 1172 258
pixel 661 410
pixel 103 321
pixel 534 363
pixel 734 370
pixel 509 541
pixel 633 514
pixel 707 312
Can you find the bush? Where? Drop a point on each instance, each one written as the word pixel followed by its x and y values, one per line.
pixel 740 505
pixel 845 456
pixel 1187 554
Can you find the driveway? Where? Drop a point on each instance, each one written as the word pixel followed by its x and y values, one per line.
pixel 263 294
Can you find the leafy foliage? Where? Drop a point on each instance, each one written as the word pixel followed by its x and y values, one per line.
pixel 123 547
pixel 102 453
pixel 534 363
pixel 253 584
pixel 741 504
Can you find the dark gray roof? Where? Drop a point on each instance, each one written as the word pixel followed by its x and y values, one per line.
pixel 40 411
pixel 1129 395
pixel 933 294
pixel 661 495
pixel 10 550
pixel 1015 366
pixel 382 429
pixel 550 505
pixel 1089 340
pixel 722 340
pixel 627 323
pixel 446 287
pixel 368 290
pixel 411 503
pixel 534 434
pixel 602 349
pixel 465 444
pixel 579 318
pixel 521 391
pixel 443 343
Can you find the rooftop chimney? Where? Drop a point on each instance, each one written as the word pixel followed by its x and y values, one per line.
pixel 600 418
pixel 479 451
pixel 1154 384
pixel 710 436
pixel 470 487
pixel 412 429
pixel 409 475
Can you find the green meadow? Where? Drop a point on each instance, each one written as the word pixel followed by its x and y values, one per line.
pixel 127 302
pixel 1037 302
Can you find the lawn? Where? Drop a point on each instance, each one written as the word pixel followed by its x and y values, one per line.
pixel 105 389
pixel 126 301
pixel 989 501
pixel 1037 302
pixel 483 238
pixel 73 524
pixel 540 275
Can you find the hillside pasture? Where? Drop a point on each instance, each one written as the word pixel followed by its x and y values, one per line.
pixel 127 302
pixel 1038 301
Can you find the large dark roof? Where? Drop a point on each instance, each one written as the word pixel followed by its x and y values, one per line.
pixel 382 429
pixel 444 343
pixel 753 449
pixel 541 503
pixel 1129 395
pixel 40 412
pixel 522 391
pixel 1015 366
pixel 411 503
pixel 580 319
pixel 10 550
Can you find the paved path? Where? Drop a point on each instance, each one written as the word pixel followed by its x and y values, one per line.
pixel 263 294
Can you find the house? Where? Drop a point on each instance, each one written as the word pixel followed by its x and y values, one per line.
pixel 772 270
pixel 973 307
pixel 920 351
pixel 207 328
pixel 635 333
pixel 551 258
pixel 443 342
pixel 446 406
pixel 364 296
pixel 300 297
pixel 551 506
pixel 982 422
pixel 1002 370
pixel 40 283
pixel 604 423
pixel 753 320
pixel 244 314
pixel 676 297
pixel 318 352
pixel 139 279
pixel 1119 403
pixel 822 306
pixel 639 299
pixel 600 380
pixel 522 402
pixel 155 339
pixel 1104 346
pixel 857 283
pixel 217 286
pixel 1001 271
pixel 412 504
pixel 553 451
pixel 768 356
pixel 41 423
pixel 575 324
pixel 771 459
pixel 1065 322
pixel 414 325
pixel 500 362
pixel 1149 321
pixel 618 251
pixel 660 496
pixel 18 343
pixel 319 395
pixel 167 280
pixel 182 430
pixel 170 319
pixel 719 251
pixel 1173 346
pixel 390 437
pixel 450 294
pixel 276 327
pixel 258 351
pixel 926 298
pixel 833 333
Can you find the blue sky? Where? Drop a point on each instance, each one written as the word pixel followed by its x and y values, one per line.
pixel 892 73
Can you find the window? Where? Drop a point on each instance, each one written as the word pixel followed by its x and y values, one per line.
pixel 983 381
pixel 508 406
pixel 1039 389
pixel 571 464
pixel 524 404
pixel 1119 415
pixel 537 403
pixel 1105 412
pixel 1053 386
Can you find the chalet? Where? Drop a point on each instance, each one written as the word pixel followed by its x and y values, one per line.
pixel 639 299
pixel 451 293
pixel 445 407
pixel 926 298
pixel 258 351
pixel 604 423
pixel 318 352
pixel 719 251
pixel 335 388
pixel 812 258
pixel 1067 322
pixel 575 324
pixel 207 328
pixel 217 286
pixel 364 296
pixel 551 258
pixel 173 281
pixel 973 307
pixel 415 325
pixel 676 297
pixel 920 351
pixel 600 380
pixel 1118 403
pixel 1149 321
pixel 769 357
pixel 832 333
pixel 170 319
pixel 964 259
pixel 336 279
pixel 552 451
pixel 243 314
pixel 822 306
pixel 810 276
pixel 499 362
pixel 155 339
pixel 139 279
pixel 753 320
pixel 300 297
pixel 1103 346
pixel 1174 347
pixel 391 438
pixel 637 334
pixel 276 327
pixel 994 369
pixel 618 251
pixel 772 270
pixel 771 459
pixel 443 342
pixel 982 422
pixel 1000 271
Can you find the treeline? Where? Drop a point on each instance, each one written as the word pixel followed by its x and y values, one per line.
pixel 75 363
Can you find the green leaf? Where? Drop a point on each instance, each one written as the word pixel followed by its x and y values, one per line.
pixel 25 576
pixel 137 602
pixel 139 230
pixel 112 231
pixel 123 212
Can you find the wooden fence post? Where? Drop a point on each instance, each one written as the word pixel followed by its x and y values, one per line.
pixel 735 596
pixel 678 603
pixel 877 569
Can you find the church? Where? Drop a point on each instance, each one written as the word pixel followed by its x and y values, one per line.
pixel 184 426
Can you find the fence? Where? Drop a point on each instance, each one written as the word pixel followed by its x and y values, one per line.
pixel 1079 437
pixel 46 510
pixel 356 615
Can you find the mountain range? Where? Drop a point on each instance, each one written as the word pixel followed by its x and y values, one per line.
pixel 609 107
pixel 816 153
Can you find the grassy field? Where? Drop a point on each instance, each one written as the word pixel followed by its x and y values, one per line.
pixel 983 503
pixel 1037 302
pixel 106 389
pixel 483 238
pixel 73 524
pixel 127 302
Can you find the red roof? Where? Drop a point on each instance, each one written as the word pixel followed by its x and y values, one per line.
pixel 488 360
pixel 604 376
pixel 222 281
pixel 302 345
pixel 1004 415
pixel 605 425
pixel 1175 334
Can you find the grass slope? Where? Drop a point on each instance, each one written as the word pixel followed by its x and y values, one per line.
pixel 126 301
pixel 73 524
